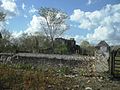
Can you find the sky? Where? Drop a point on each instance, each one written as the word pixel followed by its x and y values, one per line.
pixel 91 20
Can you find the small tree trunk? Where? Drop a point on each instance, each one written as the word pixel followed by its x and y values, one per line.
pixel 52 45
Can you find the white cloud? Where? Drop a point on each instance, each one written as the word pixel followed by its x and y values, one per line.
pixel 104 22
pixel 38 23
pixel 17 34
pixel 9 7
pixel 23 6
pixel 87 20
pixel 35 25
pixel 33 9
pixel 77 15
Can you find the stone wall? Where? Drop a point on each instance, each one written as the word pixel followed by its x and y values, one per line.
pixel 96 64
pixel 45 59
pixel 101 61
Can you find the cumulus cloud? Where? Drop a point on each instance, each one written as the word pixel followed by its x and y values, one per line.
pixel 9 7
pixel 104 22
pixel 38 23
pixel 35 25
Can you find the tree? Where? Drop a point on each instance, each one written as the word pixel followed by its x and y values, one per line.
pixel 84 44
pixel 31 43
pixel 5 40
pixel 2 18
pixel 54 23
pixel 87 48
pixel 60 48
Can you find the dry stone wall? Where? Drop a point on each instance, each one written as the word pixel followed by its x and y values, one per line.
pixel 92 64
pixel 102 62
pixel 45 59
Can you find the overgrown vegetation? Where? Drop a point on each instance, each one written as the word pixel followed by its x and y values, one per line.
pixel 27 77
pixel 17 77
pixel 61 49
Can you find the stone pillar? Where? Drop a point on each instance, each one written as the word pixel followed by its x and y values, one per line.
pixel 101 59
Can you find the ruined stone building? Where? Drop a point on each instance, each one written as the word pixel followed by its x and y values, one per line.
pixel 102 54
pixel 70 43
pixel 103 49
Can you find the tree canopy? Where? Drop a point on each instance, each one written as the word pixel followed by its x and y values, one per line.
pixel 84 44
pixel 2 16
pixel 54 22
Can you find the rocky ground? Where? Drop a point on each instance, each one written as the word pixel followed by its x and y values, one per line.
pixel 25 77
pixel 85 77
pixel 99 83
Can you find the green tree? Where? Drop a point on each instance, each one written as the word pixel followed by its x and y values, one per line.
pixel 61 49
pixel 5 40
pixel 32 43
pixel 54 23
pixel 84 44
pixel 87 48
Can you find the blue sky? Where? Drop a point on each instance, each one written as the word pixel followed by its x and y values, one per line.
pixel 91 20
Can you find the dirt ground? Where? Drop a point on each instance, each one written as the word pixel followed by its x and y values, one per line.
pixel 102 82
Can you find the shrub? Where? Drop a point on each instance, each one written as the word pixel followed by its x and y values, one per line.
pixel 61 49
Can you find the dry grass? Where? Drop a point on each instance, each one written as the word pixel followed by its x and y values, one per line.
pixel 30 79
pixel 25 77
